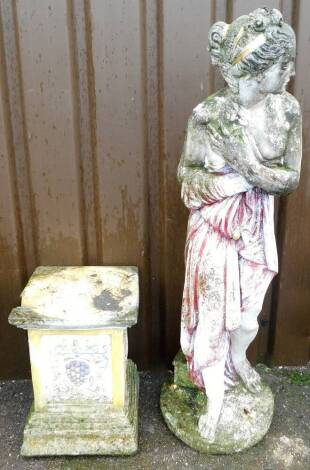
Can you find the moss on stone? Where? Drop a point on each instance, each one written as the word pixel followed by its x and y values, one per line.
pixel 299 377
pixel 181 376
pixel 244 420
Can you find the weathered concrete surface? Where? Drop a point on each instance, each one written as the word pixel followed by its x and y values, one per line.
pixel 58 297
pixel 286 446
pixel 244 420
pixel 86 431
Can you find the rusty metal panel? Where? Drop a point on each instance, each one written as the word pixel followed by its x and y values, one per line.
pixel 239 7
pixel 94 99
pixel 48 102
pixel 11 247
pixel 184 74
pixel 119 100
pixel 289 339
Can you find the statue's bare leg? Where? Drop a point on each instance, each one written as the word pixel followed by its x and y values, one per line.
pixel 254 281
pixel 213 378
pixel 241 338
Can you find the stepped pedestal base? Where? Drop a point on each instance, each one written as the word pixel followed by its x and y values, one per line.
pixel 88 430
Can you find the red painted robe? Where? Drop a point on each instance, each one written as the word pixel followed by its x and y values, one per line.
pixel 230 258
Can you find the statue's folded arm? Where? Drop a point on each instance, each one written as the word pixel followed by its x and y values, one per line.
pixel 274 180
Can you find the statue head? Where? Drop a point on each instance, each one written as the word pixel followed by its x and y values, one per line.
pixel 255 53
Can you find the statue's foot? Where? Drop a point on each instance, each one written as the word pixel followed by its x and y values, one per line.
pixel 249 376
pixel 206 427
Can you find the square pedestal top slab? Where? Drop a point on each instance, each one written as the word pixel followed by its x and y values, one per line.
pixel 78 297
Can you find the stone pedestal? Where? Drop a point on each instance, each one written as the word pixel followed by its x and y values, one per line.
pixel 244 420
pixel 85 389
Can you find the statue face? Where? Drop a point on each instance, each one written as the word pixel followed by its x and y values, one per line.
pixel 276 78
pixel 249 91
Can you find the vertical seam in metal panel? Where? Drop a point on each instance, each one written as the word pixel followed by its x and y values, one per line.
pixel 295 15
pixel 93 121
pixel 162 169
pixel 211 71
pixel 11 157
pixel 34 222
pixel 282 219
pixel 229 11
pixel 146 183
pixel 76 123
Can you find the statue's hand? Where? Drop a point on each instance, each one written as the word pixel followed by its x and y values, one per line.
pixel 233 143
pixel 218 139
pixel 226 141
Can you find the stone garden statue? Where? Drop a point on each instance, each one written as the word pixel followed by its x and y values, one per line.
pixel 243 146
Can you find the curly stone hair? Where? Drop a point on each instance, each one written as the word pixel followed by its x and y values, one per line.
pixel 251 44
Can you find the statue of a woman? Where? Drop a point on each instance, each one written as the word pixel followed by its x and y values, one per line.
pixel 243 145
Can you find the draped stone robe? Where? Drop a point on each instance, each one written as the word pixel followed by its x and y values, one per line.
pixel 230 252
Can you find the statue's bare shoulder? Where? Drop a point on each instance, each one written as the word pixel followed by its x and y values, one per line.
pixel 195 146
pixel 291 107
pixel 209 109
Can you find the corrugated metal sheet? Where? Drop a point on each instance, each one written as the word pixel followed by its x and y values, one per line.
pixel 94 99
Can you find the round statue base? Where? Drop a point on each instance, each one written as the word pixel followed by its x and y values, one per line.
pixel 244 420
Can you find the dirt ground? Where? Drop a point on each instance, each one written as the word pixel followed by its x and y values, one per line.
pixel 286 446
